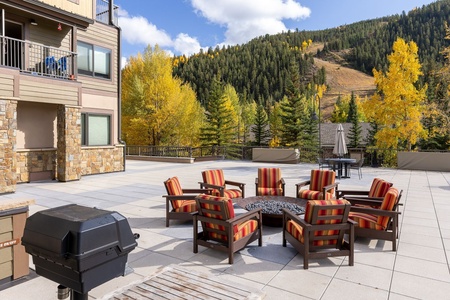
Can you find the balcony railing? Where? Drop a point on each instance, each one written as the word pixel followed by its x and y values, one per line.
pixel 36 59
pixel 102 12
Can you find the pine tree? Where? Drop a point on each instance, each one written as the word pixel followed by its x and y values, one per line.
pixel 219 129
pixel 261 128
pixel 354 134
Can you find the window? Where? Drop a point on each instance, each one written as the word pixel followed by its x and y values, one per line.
pixel 95 129
pixel 94 60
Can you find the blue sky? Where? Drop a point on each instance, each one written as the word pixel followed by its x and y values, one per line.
pixel 185 26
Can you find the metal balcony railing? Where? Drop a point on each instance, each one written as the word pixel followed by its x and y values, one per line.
pixel 36 59
pixel 102 12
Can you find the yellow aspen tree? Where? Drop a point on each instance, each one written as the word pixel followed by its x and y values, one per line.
pixel 398 105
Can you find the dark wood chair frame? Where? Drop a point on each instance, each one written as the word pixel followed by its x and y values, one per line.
pixel 325 189
pixel 358 194
pixel 230 246
pixel 188 194
pixel 221 189
pixel 307 249
pixel 283 186
pixel 391 232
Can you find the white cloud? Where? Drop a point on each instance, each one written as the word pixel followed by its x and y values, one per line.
pixel 137 30
pixel 186 44
pixel 246 19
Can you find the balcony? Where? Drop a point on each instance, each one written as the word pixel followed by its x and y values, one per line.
pixel 102 12
pixel 37 59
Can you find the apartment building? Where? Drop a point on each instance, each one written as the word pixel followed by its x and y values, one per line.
pixel 59 90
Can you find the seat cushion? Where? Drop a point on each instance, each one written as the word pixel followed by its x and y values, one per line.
pixel 186 206
pixel 379 187
pixel 313 195
pixel 232 193
pixel 241 230
pixel 269 191
pixel 365 220
pixel 297 232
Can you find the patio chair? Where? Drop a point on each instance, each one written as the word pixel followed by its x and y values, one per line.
pixel 269 182
pixel 377 223
pixel 180 203
pixel 321 186
pixel 222 230
pixel 321 233
pixel 357 166
pixel 323 163
pixel 214 179
pixel 377 191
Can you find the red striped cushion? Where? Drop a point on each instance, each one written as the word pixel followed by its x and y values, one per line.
pixel 321 178
pixel 389 201
pixel 187 206
pixel 269 178
pixel 270 191
pixel 173 188
pixel 297 232
pixel 214 177
pixel 242 230
pixel 379 187
pixel 365 220
pixel 232 193
pixel 313 195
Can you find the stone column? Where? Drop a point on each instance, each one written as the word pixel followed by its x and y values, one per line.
pixel 69 143
pixel 8 127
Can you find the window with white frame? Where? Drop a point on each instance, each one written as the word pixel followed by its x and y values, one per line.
pixel 95 129
pixel 94 60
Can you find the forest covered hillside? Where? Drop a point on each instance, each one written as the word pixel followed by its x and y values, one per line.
pixel 259 68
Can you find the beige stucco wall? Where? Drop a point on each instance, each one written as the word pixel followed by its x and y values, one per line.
pixel 81 7
pixel 36 125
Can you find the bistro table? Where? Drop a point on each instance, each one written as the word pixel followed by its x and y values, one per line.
pixel 341 163
pixel 272 207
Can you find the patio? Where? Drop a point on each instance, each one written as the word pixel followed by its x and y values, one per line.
pixel 420 269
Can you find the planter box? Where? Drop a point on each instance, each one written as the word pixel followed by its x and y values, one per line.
pixel 426 161
pixel 285 156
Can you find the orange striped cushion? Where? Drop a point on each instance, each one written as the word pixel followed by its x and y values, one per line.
pixel 242 230
pixel 323 212
pixel 365 220
pixel 269 178
pixel 297 232
pixel 313 195
pixel 270 191
pixel 187 206
pixel 214 177
pixel 389 201
pixel 379 187
pixel 232 193
pixel 229 210
pixel 321 178
pixel 174 189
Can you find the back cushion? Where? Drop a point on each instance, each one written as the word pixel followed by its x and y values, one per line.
pixel 214 177
pixel 379 187
pixel 173 186
pixel 229 210
pixel 321 178
pixel 389 201
pixel 269 178
pixel 312 203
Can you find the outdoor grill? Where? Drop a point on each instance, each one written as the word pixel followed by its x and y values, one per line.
pixel 78 247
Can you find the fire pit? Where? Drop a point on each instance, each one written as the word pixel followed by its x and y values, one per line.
pixel 272 207
pixel 78 247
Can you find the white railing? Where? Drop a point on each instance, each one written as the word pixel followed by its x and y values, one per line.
pixel 36 59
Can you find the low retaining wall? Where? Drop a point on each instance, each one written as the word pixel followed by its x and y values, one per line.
pixel 187 160
pixel 286 156
pixel 426 161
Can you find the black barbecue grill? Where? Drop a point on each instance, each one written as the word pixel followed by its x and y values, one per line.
pixel 78 247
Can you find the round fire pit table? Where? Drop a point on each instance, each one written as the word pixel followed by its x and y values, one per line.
pixel 272 207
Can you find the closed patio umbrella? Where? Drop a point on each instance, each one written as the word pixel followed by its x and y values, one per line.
pixel 340 147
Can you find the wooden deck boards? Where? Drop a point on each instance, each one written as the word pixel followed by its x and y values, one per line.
pixel 174 282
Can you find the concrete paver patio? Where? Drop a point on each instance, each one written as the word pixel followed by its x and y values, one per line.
pixel 420 268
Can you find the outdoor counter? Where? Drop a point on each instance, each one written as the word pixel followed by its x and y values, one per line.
pixel 14 261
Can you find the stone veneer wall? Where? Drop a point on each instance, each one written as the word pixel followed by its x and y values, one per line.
pixel 8 127
pixel 69 143
pixel 35 161
pixel 102 160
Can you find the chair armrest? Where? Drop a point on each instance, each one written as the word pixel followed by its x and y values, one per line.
pixel 198 191
pixel 211 186
pixel 364 201
pixel 375 211
pixel 326 188
pixel 235 183
pixel 282 180
pixel 289 215
pixel 342 193
pixel 300 185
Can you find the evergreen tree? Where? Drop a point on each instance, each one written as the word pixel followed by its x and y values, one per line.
pixel 261 128
pixel 291 107
pixel 219 129
pixel 354 134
